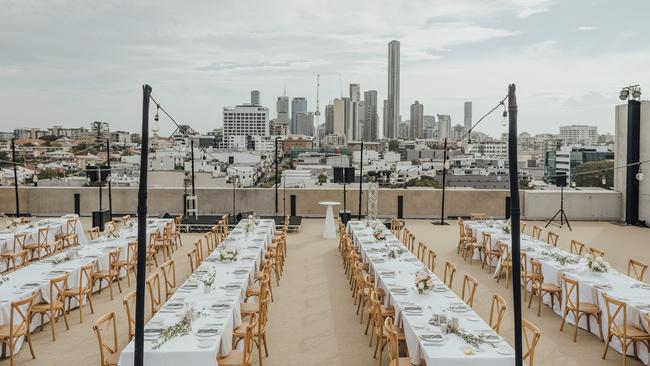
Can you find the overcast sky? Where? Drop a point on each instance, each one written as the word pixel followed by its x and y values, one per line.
pixel 72 62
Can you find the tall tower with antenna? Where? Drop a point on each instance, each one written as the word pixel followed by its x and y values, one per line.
pixel 317 113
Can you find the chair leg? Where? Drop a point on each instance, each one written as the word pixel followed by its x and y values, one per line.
pixel 90 302
pixel 575 329
pixel 52 323
pixel 539 304
pixel 110 287
pixel 65 318
pixel 566 312
pixel 609 339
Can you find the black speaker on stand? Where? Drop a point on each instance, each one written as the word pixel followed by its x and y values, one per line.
pixel 560 181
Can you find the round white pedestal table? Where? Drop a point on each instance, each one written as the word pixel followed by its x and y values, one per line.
pixel 329 231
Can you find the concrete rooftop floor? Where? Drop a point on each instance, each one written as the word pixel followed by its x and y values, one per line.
pixel 313 322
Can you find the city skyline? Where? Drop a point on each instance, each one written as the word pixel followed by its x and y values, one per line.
pixel 564 73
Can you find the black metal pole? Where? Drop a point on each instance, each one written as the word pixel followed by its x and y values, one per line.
pixel 444 183
pixel 514 217
pixel 142 231
pixel 192 157
pixel 276 177
pixel 360 180
pixel 99 180
pixel 233 197
pixel 13 157
pixel 110 192
pixel 633 156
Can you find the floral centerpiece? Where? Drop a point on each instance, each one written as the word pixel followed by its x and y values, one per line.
pixel 562 259
pixel 378 233
pixel 228 253
pixel 14 223
pixel 179 329
pixel 423 282
pixel 249 225
pixel 507 226
pixel 597 264
pixel 208 281
pixel 3 280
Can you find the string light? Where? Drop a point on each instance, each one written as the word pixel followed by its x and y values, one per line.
pixel 504 117
pixel 640 175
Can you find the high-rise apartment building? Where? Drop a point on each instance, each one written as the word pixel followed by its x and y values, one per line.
pixel 298 105
pixel 282 108
pixel 371 119
pixel 244 120
pixel 329 119
pixel 255 97
pixel 386 117
pixel 444 126
pixel 467 116
pixel 338 118
pixel 305 123
pixel 393 120
pixel 579 134
pixel 430 128
pixel 416 131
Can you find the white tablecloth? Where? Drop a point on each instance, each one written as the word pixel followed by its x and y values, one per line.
pixel 55 225
pixel 614 283
pixel 391 272
pixel 185 350
pixel 35 277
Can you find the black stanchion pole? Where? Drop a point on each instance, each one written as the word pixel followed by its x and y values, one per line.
pixel 142 231
pixel 13 157
pixel 276 176
pixel 444 186
pixel 110 191
pixel 360 180
pixel 515 219
pixel 192 157
pixel 99 181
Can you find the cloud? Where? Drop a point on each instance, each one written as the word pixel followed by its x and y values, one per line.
pixel 587 28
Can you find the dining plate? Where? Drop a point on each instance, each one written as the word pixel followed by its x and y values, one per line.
pixel 432 337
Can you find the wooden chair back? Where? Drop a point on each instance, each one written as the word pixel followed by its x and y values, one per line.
pixel 393 344
pixel 596 252
pixel 577 247
pixel 106 330
pixel 199 249
pixel 504 249
pixel 616 308
pixel 93 233
pixel 530 335
pixel 536 275
pixel 248 339
pixel 71 226
pixel 477 216
pixel 431 260
pixel 522 227
pixel 636 269
pixel 153 286
pixel 571 293
pixel 497 311
pixel 57 286
pixel 422 248
pixel 537 231
pixel 42 236
pixel 193 259
pixel 19 317
pixel 469 289
pixel 19 242
pixel 450 271
pixel 168 270
pixel 129 308
pixel 552 238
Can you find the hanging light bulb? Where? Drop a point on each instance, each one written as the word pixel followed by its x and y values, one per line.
pixel 640 175
pixel 499 178
pixel 156 117
pixel 604 180
pixel 573 184
pixel 504 118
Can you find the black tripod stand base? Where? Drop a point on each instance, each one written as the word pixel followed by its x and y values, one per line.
pixel 438 223
pixel 563 219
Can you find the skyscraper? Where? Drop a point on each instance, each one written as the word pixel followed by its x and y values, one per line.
pixel 329 119
pixel 282 108
pixel 417 121
pixel 370 121
pixel 444 126
pixel 298 104
pixel 386 117
pixel 338 110
pixel 305 123
pixel 353 121
pixel 255 97
pixel 393 119
pixel 245 120
pixel 468 116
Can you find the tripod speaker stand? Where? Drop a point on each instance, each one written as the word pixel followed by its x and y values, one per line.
pixel 561 181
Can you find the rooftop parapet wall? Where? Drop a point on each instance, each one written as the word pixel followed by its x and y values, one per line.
pixel 417 203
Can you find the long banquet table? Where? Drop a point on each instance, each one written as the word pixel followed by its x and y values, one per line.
pixel 34 278
pixel 55 225
pixel 392 274
pixel 215 311
pixel 592 284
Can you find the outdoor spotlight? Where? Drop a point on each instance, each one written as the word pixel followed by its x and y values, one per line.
pixel 604 180
pixel 504 118
pixel 447 164
pixel 573 184
pixel 636 93
pixel 499 178
pixel 624 94
pixel 640 176
pixel 530 184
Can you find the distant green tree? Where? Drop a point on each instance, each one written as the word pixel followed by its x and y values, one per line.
pixel 393 145
pixel 4 159
pixel 423 181
pixel 49 138
pixel 591 174
pixel 49 173
pixel 80 147
pixel 322 178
